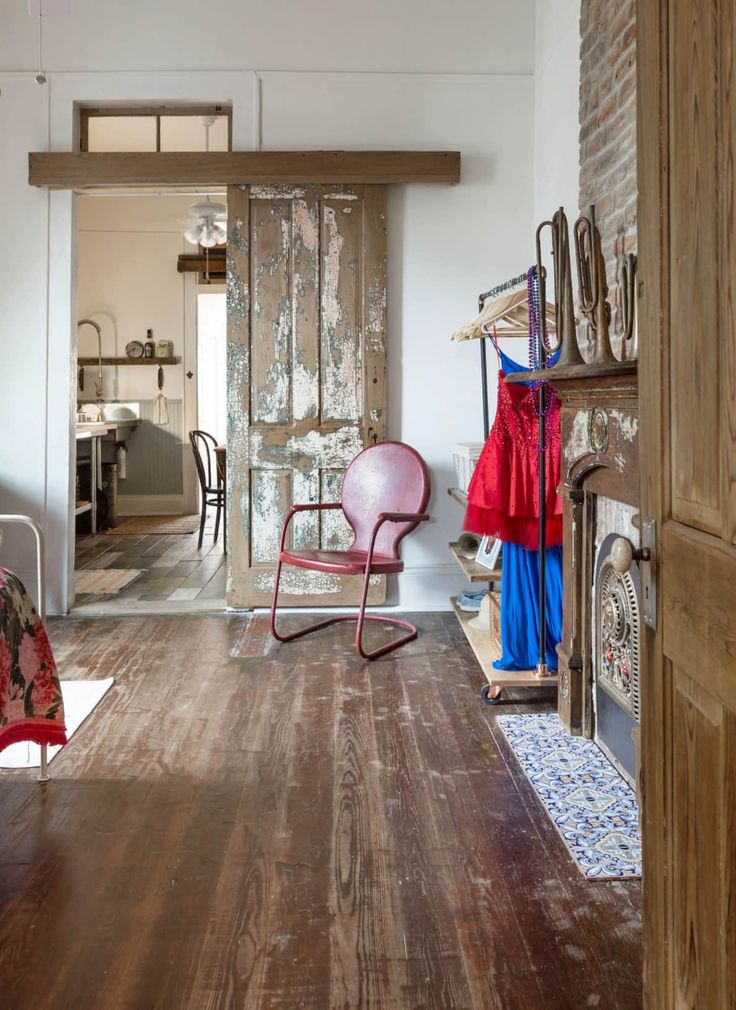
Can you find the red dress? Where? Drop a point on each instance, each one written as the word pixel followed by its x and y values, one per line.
pixel 503 496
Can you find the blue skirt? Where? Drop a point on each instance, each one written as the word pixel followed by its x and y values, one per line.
pixel 520 608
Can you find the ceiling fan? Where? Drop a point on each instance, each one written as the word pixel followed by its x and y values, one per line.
pixel 207 223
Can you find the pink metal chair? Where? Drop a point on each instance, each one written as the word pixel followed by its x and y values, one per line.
pixel 385 491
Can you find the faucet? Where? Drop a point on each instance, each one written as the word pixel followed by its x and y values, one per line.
pixel 99 392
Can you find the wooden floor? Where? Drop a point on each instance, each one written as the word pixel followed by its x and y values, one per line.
pixel 174 569
pixel 241 825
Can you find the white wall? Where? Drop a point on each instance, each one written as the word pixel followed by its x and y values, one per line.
pixel 23 319
pixel 445 243
pixel 128 281
pixel 411 36
pixel 556 103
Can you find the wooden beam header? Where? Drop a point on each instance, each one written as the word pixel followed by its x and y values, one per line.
pixel 61 170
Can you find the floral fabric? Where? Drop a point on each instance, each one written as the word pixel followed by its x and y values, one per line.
pixel 31 706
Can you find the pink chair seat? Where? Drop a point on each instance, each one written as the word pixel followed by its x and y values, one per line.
pixel 342 562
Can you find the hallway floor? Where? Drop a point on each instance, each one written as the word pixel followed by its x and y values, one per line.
pixel 246 825
pixel 174 570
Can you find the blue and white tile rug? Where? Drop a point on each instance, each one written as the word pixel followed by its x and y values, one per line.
pixel 590 804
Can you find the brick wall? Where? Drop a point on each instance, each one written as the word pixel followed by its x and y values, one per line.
pixel 608 131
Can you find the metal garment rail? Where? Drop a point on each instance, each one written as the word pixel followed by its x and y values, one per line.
pixel 541 351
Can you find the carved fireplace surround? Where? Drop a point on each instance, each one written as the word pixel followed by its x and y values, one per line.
pixel 600 464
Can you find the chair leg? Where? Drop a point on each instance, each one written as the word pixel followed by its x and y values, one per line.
pixel 202 520
pixel 360 617
pixel 304 631
pixel 218 508
pixel 394 621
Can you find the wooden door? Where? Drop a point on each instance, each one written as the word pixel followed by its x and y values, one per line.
pixel 306 375
pixel 687 260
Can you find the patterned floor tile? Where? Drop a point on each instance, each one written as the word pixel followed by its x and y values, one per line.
pixel 590 804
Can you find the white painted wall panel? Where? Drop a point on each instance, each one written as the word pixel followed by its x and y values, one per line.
pixel 556 102
pixel 468 36
pixel 23 330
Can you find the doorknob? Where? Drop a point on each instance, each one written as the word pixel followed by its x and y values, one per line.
pixel 623 554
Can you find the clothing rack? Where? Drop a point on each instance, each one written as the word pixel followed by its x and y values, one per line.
pixel 506 309
pixel 542 329
pixel 499 289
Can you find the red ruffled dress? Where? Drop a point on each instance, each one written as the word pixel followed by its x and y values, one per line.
pixel 503 495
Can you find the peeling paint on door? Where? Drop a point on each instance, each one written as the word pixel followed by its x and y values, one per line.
pixel 306 374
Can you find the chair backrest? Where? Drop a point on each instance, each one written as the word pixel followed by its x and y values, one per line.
pixel 203 457
pixel 385 477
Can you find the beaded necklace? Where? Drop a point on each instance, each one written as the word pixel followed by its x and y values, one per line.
pixel 535 341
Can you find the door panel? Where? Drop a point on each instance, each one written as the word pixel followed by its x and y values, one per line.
pixel 694 337
pixel 702 736
pixel 687 383
pixel 342 394
pixel 306 374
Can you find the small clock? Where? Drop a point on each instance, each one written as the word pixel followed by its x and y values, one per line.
pixel 134 349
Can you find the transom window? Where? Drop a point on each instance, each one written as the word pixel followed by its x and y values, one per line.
pixel 155 128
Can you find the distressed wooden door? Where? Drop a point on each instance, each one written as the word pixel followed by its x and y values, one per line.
pixel 687 261
pixel 306 375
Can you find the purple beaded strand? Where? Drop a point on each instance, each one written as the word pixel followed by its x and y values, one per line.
pixel 532 284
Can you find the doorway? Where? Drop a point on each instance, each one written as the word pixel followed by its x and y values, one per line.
pixel 212 362
pixel 139 393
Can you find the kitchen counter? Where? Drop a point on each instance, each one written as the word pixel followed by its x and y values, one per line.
pixel 88 429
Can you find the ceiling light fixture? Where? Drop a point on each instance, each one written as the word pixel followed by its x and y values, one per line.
pixel 207 224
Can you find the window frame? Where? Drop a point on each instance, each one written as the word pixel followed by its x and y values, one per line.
pixel 87 112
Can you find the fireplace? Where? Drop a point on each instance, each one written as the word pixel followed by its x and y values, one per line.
pixel 599 653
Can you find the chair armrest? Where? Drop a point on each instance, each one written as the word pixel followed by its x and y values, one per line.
pixel 392 517
pixel 403 517
pixel 303 508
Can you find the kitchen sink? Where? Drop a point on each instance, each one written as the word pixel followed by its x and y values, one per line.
pixel 126 412
pixel 125 416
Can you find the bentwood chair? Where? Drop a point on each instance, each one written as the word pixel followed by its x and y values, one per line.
pixel 211 486
pixel 385 491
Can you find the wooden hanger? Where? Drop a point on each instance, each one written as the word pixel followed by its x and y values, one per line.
pixel 510 313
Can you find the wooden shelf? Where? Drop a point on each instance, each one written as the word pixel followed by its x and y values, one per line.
pixel 459 496
pixel 89 362
pixel 487 647
pixel 80 170
pixel 473 571
pixel 82 507
pixel 585 371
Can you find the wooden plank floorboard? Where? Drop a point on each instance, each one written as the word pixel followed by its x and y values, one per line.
pixel 173 567
pixel 248 825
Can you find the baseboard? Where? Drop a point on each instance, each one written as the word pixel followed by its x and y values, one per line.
pixel 150 504
pixel 429 587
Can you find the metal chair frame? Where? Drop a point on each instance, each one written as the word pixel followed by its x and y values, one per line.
pixel 361 617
